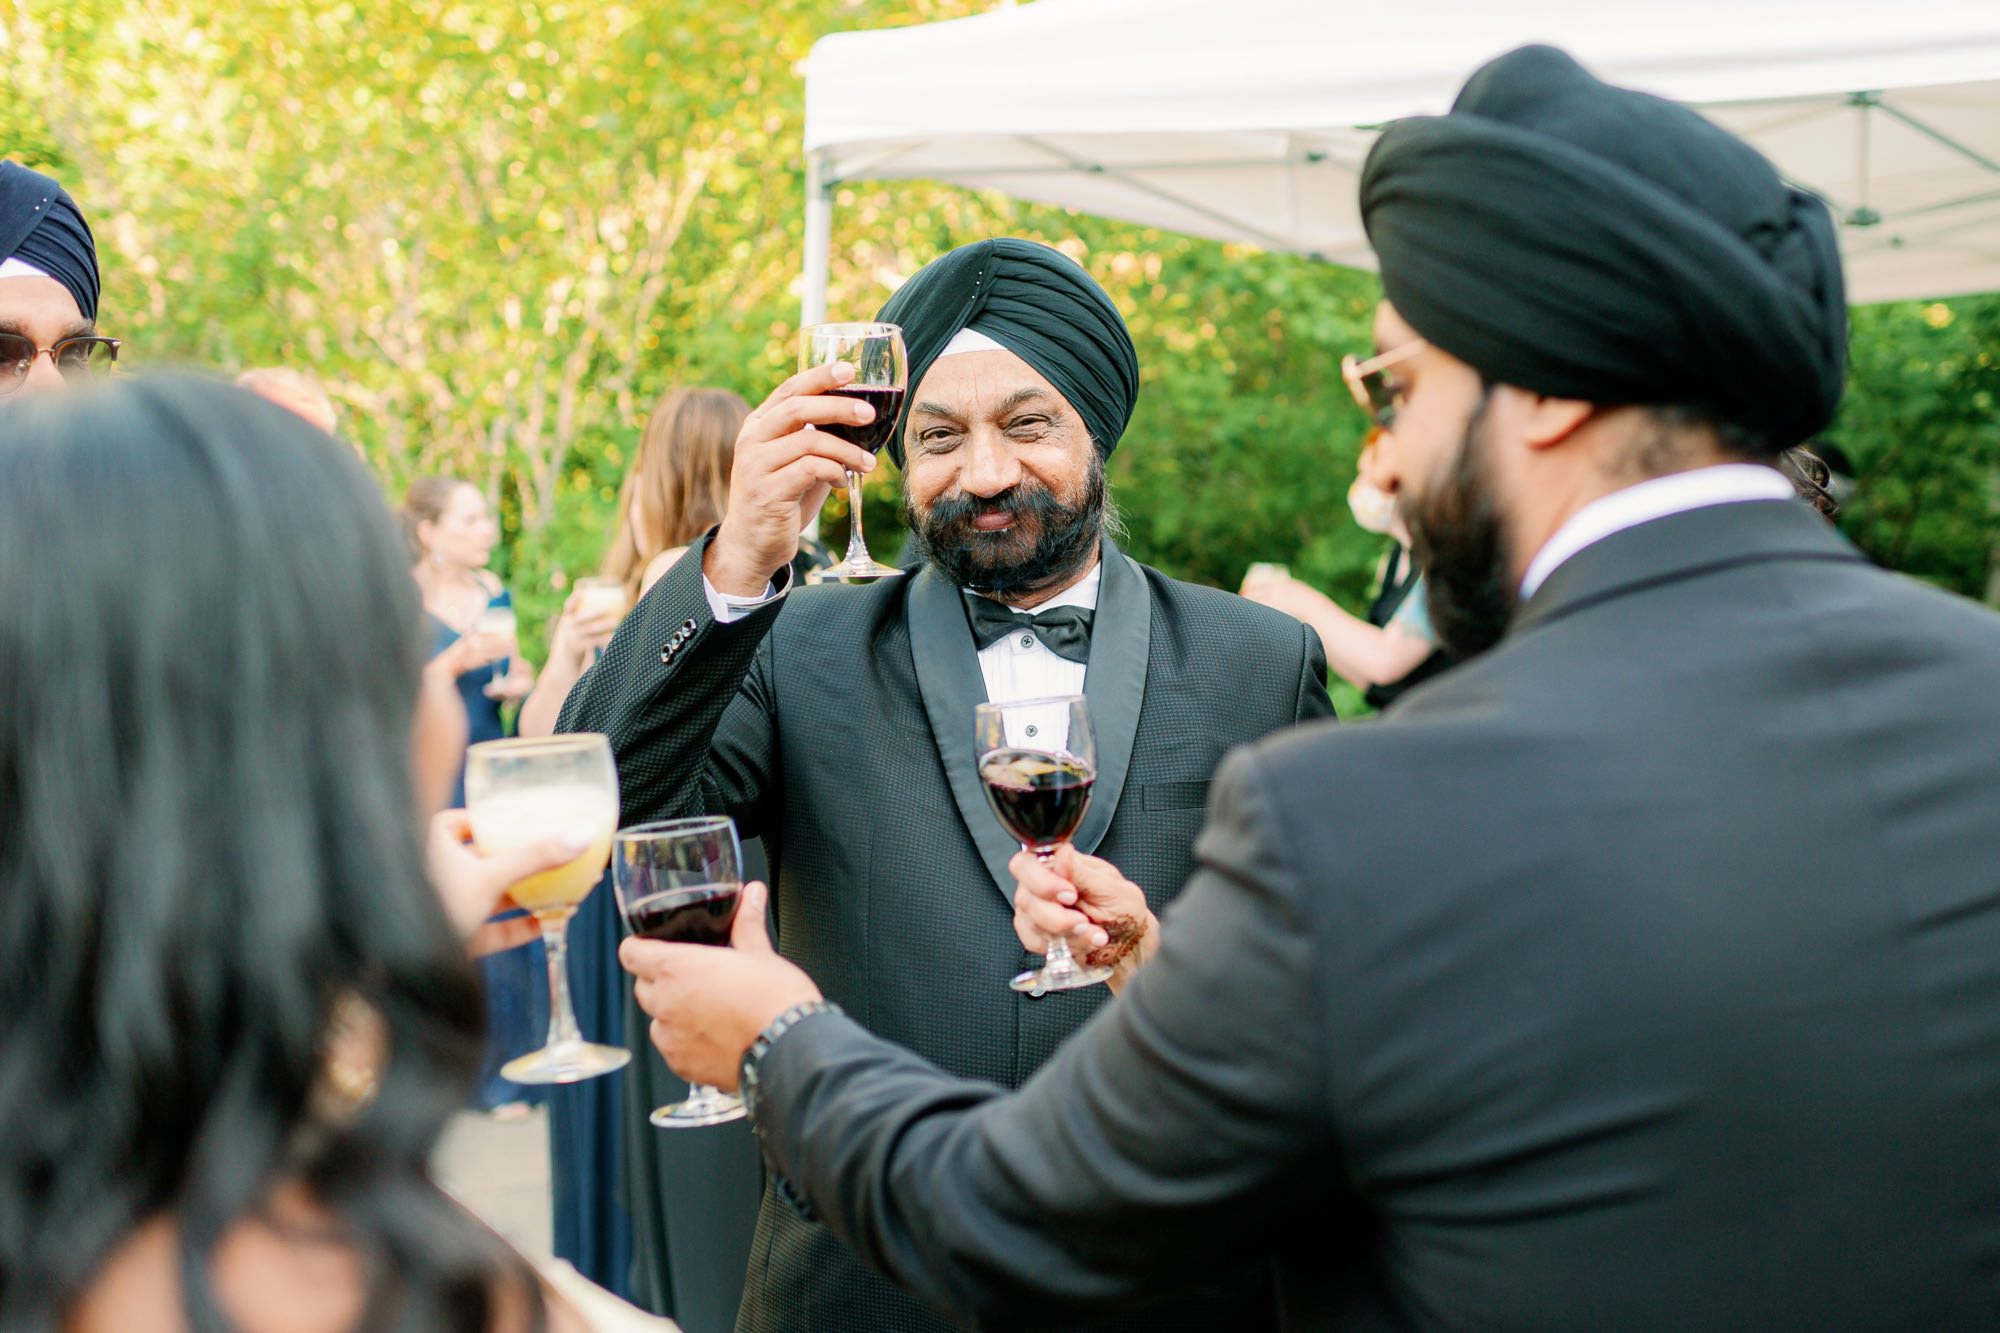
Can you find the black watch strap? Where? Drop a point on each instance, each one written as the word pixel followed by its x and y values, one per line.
pixel 754 1057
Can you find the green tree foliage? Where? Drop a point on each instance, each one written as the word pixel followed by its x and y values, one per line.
pixel 501 232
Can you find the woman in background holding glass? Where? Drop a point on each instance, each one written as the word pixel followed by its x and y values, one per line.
pixel 676 490
pixel 1392 649
pixel 209 879
pixel 470 617
pixel 603 1154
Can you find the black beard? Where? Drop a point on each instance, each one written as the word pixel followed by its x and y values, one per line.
pixel 1458 541
pixel 1047 543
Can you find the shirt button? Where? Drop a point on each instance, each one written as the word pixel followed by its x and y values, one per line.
pixel 1027 640
pixel 1033 730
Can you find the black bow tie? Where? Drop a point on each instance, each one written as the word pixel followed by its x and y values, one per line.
pixel 1064 629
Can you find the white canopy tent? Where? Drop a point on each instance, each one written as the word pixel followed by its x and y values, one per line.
pixel 1248 121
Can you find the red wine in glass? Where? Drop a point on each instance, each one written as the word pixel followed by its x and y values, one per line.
pixel 696 914
pixel 1037 764
pixel 680 881
pixel 887 402
pixel 881 372
pixel 1038 797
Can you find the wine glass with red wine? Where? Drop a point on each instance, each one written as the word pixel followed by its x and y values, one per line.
pixel 1037 762
pixel 881 376
pixel 679 881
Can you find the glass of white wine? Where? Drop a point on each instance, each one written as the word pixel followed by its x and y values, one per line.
pixel 522 791
pixel 501 623
pixel 601 597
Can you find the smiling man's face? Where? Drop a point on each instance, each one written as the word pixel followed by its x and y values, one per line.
pixel 1002 485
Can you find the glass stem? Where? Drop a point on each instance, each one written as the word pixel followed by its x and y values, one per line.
pixel 563 1030
pixel 1057 961
pixel 857 549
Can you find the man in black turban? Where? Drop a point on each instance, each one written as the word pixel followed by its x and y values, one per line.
pixel 48 287
pixel 836 721
pixel 1602 249
pixel 1537 1005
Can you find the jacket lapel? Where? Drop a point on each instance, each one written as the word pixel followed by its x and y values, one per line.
pixel 952 686
pixel 1115 685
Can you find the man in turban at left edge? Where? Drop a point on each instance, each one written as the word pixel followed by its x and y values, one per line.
pixel 48 287
pixel 836 721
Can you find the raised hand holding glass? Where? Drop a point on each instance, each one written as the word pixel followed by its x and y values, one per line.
pixel 881 377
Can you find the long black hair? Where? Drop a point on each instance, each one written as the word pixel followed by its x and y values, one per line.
pixel 209 654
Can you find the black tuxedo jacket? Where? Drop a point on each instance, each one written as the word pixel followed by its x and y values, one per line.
pixel 837 724
pixel 1643 974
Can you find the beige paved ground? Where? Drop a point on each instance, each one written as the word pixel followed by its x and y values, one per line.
pixel 500 1170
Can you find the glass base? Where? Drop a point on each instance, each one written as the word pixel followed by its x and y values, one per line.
pixel 1042 980
pixel 566 1064
pixel 704 1106
pixel 853 571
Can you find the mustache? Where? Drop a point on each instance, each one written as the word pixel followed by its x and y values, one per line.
pixel 1047 540
pixel 1026 500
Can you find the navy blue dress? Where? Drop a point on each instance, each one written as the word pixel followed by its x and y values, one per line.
pixel 517 989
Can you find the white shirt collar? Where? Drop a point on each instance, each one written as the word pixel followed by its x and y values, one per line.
pixel 1725 483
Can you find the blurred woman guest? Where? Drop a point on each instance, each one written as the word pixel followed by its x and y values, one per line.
pixel 676 490
pixel 621 1187
pixel 1390 651
pixel 204 874
pixel 471 620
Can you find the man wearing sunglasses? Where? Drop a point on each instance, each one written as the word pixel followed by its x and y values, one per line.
pixel 1542 1004
pixel 48 288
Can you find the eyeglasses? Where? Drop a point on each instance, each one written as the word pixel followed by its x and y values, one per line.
pixel 1371 387
pixel 76 358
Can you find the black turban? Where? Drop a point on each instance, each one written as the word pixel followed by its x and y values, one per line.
pixel 1037 303
pixel 1585 241
pixel 41 225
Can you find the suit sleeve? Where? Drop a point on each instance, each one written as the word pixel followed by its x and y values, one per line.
pixel 1165 1142
pixel 685 702
pixel 1313 700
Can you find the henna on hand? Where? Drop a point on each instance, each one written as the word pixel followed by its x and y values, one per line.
pixel 1125 933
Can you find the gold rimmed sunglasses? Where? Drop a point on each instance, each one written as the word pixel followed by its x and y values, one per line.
pixel 1371 386
pixel 77 358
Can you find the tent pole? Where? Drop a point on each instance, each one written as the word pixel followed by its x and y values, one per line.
pixel 819 235
pixel 819 238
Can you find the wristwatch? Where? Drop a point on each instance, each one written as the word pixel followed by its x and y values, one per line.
pixel 776 1028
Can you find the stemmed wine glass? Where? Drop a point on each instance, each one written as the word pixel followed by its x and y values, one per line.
pixel 881 375
pixel 1037 762
pixel 522 791
pixel 500 622
pixel 596 596
pixel 680 880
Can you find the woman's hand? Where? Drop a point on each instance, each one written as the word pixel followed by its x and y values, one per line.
pixel 474 887
pixel 1282 592
pixel 578 634
pixel 1087 901
pixel 517 684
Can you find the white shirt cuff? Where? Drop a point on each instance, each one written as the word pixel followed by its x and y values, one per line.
pixel 728 610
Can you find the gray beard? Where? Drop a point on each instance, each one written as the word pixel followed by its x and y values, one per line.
pixel 1049 543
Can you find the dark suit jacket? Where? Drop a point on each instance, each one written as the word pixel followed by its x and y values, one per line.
pixel 1643 974
pixel 838 725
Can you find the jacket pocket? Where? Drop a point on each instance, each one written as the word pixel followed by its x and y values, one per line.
pixel 1174 795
